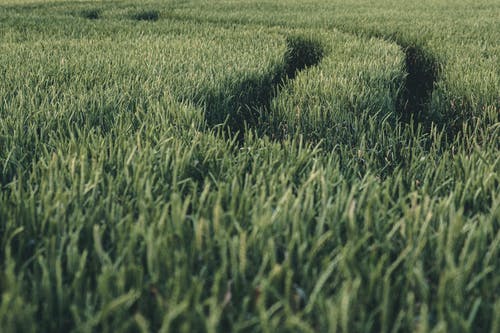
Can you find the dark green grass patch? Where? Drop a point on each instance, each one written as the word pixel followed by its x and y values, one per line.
pixel 91 14
pixel 303 52
pixel 423 72
pixel 146 15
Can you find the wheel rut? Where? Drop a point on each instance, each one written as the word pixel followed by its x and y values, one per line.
pixel 254 95
pixel 422 74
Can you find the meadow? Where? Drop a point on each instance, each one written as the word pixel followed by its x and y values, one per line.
pixel 250 166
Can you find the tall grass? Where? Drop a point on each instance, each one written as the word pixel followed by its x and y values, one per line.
pixel 129 201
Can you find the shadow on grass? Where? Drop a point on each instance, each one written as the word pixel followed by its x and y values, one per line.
pixel 91 14
pixel 253 96
pixel 422 73
pixel 146 15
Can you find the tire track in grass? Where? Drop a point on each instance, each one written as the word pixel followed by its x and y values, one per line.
pixel 422 72
pixel 253 96
pixel 422 75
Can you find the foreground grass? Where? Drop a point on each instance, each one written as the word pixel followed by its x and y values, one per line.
pixel 253 171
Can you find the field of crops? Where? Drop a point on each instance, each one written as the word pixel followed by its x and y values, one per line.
pixel 250 166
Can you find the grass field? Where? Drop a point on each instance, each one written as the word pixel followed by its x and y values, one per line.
pixel 250 166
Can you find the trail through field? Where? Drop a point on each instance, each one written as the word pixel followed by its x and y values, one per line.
pixel 250 112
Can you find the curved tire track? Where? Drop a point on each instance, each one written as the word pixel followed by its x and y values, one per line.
pixel 254 95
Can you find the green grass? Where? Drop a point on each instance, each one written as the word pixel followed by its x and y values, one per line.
pixel 357 80
pixel 249 166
